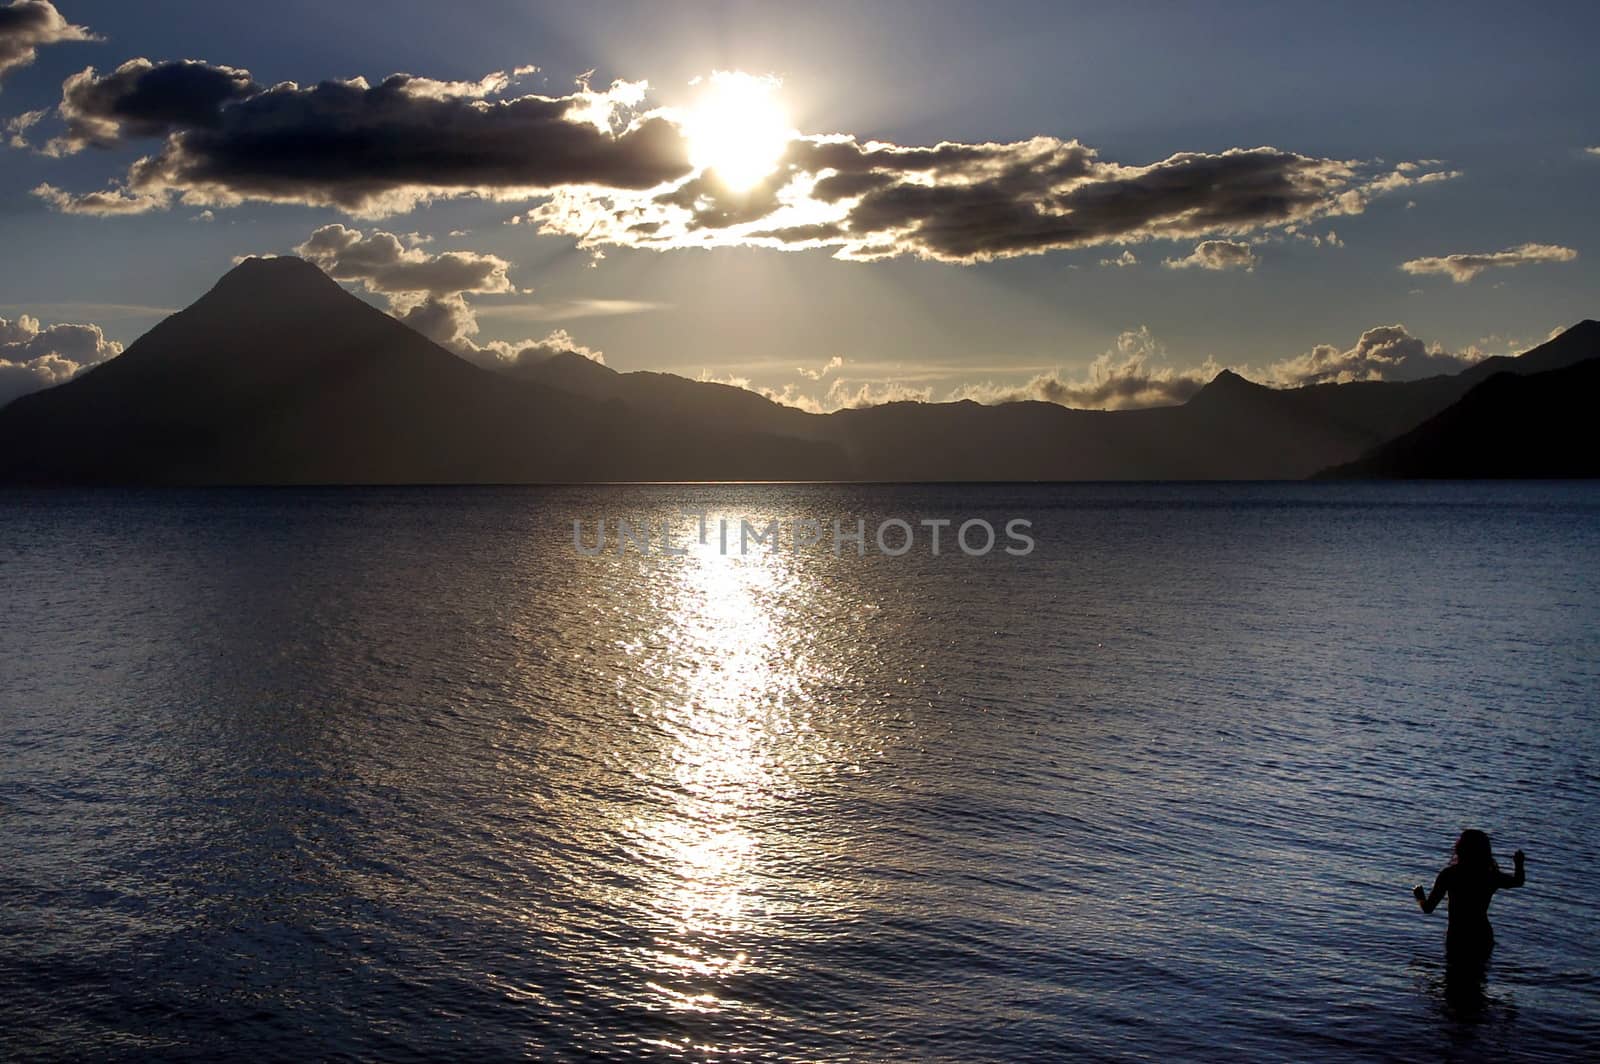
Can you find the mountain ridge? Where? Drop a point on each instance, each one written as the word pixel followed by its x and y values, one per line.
pixel 1510 425
pixel 277 374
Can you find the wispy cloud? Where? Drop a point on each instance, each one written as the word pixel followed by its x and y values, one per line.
pixel 834 363
pixel 17 128
pixel 570 309
pixel 1463 268
pixel 79 308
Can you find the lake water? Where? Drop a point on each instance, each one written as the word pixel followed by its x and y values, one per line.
pixel 400 774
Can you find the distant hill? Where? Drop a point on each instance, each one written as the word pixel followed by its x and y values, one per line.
pixel 1508 426
pixel 1232 429
pixel 278 375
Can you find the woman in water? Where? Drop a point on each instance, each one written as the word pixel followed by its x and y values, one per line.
pixel 1469 880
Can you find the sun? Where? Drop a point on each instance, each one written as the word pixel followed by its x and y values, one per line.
pixel 737 128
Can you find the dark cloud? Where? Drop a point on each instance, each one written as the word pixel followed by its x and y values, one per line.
pixel 974 202
pixel 34 357
pixel 1216 255
pixel 1060 198
pixel 1463 268
pixel 145 99
pixel 27 25
pixel 712 205
pixel 614 174
pixel 377 149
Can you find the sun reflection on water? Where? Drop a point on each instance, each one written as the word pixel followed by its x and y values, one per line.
pixel 735 731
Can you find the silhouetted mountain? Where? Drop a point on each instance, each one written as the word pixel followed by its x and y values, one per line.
pixel 278 375
pixel 1382 410
pixel 1231 429
pixel 1568 348
pixel 1510 425
pixel 702 401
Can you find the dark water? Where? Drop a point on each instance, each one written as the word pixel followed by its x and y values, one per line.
pixel 380 774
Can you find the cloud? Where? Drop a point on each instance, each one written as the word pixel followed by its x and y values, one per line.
pixel 1122 378
pixel 1463 268
pixel 17 128
pixel 569 309
pixel 428 290
pixel 1593 151
pixel 846 394
pixel 836 362
pixel 369 150
pixel 613 173
pixel 1135 374
pixel 1409 175
pixel 1216 255
pixel 1387 352
pixel 144 99
pixel 26 26
pixel 519 357
pixel 1127 258
pixel 384 264
pixel 34 357
pixel 111 201
pixel 451 322
pixel 969 202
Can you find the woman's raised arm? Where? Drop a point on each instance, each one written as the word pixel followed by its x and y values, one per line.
pixel 1430 901
pixel 1518 877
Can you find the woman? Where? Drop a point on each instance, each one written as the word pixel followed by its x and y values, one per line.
pixel 1469 880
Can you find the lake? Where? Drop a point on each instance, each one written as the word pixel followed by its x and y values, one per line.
pixel 402 774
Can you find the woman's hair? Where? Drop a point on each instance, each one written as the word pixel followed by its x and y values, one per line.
pixel 1473 851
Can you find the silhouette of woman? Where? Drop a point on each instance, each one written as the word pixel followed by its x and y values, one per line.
pixel 1469 881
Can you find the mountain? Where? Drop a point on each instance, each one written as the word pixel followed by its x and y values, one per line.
pixel 1231 429
pixel 1508 426
pixel 1382 410
pixel 704 401
pixel 1568 348
pixel 278 375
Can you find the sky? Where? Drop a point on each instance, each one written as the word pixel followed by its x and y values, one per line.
pixel 833 203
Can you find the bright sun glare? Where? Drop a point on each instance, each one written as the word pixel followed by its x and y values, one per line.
pixel 737 128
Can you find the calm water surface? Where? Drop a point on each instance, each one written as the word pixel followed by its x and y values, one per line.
pixel 397 774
